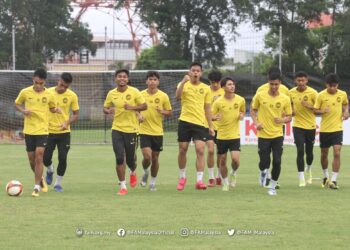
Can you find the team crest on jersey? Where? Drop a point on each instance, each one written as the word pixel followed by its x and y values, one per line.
pixel 278 105
pixel 305 98
pixel 236 106
pixel 128 97
pixel 156 100
pixel 201 91
pixel 65 100
pixel 44 100
pixel 338 99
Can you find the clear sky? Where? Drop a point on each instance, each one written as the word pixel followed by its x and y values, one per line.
pixel 98 19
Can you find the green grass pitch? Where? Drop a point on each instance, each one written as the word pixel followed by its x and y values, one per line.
pixel 297 218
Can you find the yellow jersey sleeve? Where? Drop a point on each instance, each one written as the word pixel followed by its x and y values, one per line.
pixel 75 103
pixel 108 102
pixel 21 97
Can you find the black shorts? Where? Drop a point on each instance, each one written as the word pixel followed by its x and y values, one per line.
pixel 189 131
pixel 212 138
pixel 266 145
pixel 34 141
pixel 225 145
pixel 152 141
pixel 302 136
pixel 328 139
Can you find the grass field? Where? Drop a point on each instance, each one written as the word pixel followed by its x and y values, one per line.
pixel 297 218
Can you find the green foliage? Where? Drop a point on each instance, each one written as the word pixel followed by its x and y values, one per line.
pixel 157 58
pixel 176 20
pixel 43 28
pixel 298 46
pixel 260 65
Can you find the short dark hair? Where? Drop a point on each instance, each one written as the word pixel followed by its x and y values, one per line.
pixel 41 73
pixel 332 79
pixel 301 74
pixel 153 73
pixel 67 77
pixel 121 71
pixel 274 69
pixel 275 76
pixel 215 76
pixel 196 64
pixel 225 80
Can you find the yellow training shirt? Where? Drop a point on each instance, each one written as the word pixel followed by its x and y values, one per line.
pixel 124 120
pixel 270 107
pixel 228 127
pixel 303 117
pixel 332 121
pixel 66 101
pixel 38 103
pixel 193 99
pixel 153 121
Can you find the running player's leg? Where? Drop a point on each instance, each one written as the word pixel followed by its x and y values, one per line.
pixel 157 147
pixel 324 145
pixel 119 152
pixel 184 138
pixel 199 138
pixel 210 161
pixel 63 146
pixel 277 150
pixel 130 151
pixel 49 149
pixel 235 149
pixel 264 148
pixel 299 140
pixel 309 150
pixel 145 142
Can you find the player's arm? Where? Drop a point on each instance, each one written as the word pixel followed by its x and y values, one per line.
pixel 286 114
pixel 19 104
pixel 254 115
pixel 254 105
pixel 284 119
pixel 216 115
pixel 108 106
pixel 73 118
pixel 242 110
pixel 317 107
pixel 345 109
pixel 307 105
pixel 208 116
pixel 139 107
pixel 180 87
pixel 319 111
pixel 164 112
pixel 56 110
pixel 21 108
pixel 140 117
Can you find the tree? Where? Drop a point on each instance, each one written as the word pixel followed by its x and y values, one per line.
pixel 43 28
pixel 154 58
pixel 176 20
pixel 292 16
